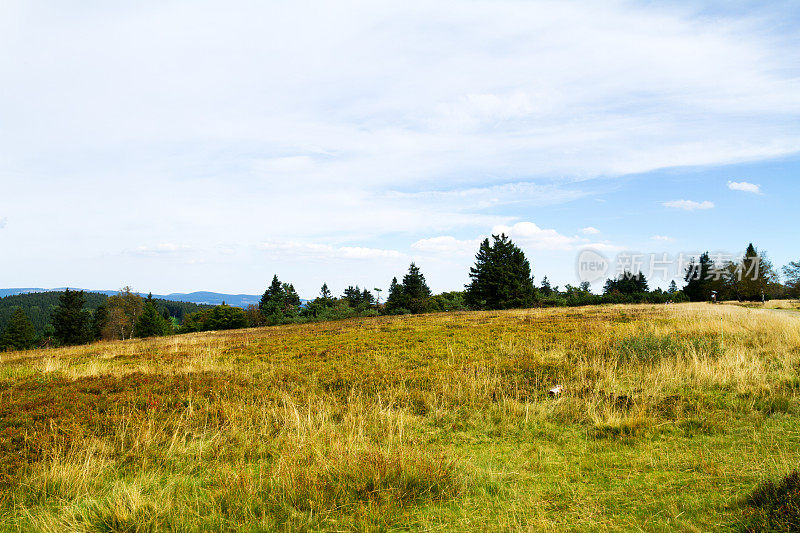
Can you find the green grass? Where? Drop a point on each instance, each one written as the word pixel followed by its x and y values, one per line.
pixel 438 422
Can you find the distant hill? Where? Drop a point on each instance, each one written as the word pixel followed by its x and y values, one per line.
pixel 199 297
pixel 214 298
pixel 38 304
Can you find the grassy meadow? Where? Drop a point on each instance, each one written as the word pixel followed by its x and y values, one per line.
pixel 670 418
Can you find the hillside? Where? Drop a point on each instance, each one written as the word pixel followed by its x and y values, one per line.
pixel 670 416
pixel 39 305
pixel 197 297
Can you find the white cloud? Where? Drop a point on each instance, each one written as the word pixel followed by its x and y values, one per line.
pixel 744 186
pixel 446 244
pixel 663 238
pixel 161 249
pixel 689 205
pixel 299 250
pixel 603 246
pixel 590 230
pixel 525 234
pixel 3 222
pixel 530 235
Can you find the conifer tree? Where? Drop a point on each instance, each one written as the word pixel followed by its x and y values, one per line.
pixel 325 293
pixel 352 295
pixel 627 283
pixel 501 277
pixel 71 322
pixel 394 301
pixel 698 279
pixel 279 302
pixel 150 323
pixel 416 293
pixel 546 289
pixel 753 276
pixel 99 321
pixel 19 333
pixel 673 287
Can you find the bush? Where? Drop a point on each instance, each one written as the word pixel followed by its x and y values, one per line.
pixel 217 318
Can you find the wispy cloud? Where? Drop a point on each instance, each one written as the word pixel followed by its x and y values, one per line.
pixel 532 236
pixel 590 230
pixel 689 205
pixel 167 248
pixel 663 238
pixel 744 186
pixel 3 222
pixel 446 244
pixel 295 250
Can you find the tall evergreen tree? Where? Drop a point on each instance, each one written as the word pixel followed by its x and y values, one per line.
pixel 754 275
pixel 673 287
pixel 352 295
pixel 325 292
pixel 546 289
pixel 150 323
pixel 367 298
pixel 627 283
pixel 416 293
pixel 71 322
pixel 279 302
pixel 394 301
pixel 270 301
pixel 19 333
pixel 99 321
pixel 698 279
pixel 501 277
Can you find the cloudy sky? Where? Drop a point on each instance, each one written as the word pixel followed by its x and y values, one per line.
pixel 180 146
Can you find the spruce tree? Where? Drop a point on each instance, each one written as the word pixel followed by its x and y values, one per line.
pixel 416 293
pixel 352 295
pixel 279 302
pixel 501 277
pixel 270 301
pixel 150 323
pixel 546 289
pixel 698 282
pixel 71 322
pixel 394 301
pixel 754 275
pixel 99 321
pixel 19 333
pixel 627 283
pixel 325 292
pixel 673 287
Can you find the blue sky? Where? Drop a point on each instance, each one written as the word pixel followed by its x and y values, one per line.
pixel 179 146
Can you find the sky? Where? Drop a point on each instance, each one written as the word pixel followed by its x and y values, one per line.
pixel 176 146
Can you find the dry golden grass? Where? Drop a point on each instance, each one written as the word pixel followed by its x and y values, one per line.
pixel 670 416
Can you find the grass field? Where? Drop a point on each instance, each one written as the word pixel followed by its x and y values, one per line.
pixel 669 419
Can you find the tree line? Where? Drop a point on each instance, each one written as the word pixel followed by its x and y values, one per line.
pixel 501 278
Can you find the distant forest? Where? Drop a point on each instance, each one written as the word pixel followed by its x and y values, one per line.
pixel 40 305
